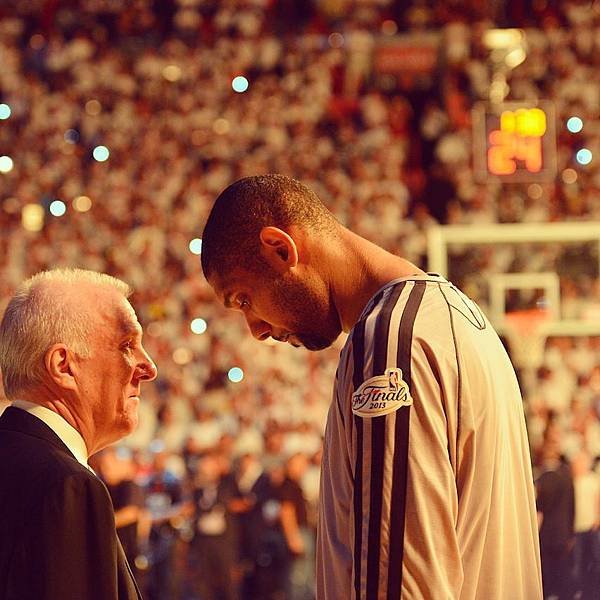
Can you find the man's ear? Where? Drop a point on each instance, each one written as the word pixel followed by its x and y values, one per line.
pixel 278 248
pixel 58 361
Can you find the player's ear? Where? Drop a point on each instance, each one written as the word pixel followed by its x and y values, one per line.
pixel 278 248
pixel 58 361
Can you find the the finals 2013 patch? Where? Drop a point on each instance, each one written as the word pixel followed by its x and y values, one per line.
pixel 381 395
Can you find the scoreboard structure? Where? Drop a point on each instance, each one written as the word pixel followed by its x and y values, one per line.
pixel 514 142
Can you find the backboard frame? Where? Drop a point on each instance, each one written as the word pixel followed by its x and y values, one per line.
pixel 500 283
pixel 440 237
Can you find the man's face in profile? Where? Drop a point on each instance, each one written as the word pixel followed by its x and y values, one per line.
pixel 283 307
pixel 112 376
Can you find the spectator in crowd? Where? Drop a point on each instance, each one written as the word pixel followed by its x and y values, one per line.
pixel 250 486
pixel 556 514
pixel 586 552
pixel 166 503
pixel 117 469
pixel 300 540
pixel 215 543
pixel 272 562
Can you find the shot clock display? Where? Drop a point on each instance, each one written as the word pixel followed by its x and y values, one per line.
pixel 514 142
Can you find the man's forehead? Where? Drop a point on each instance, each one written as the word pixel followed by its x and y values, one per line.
pixel 127 319
pixel 118 312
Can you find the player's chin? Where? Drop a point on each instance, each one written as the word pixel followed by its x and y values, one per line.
pixel 314 343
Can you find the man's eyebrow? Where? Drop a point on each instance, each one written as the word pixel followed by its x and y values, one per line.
pixel 131 329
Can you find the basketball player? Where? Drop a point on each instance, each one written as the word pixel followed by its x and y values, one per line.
pixel 426 487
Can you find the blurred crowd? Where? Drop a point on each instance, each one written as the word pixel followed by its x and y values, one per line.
pixel 205 526
pixel 222 477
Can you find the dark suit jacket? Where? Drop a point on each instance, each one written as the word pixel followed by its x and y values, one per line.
pixel 57 526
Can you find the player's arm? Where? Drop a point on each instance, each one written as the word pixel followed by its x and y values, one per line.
pixel 404 500
pixel 406 512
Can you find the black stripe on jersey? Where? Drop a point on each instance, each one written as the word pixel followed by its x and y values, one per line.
pixel 400 462
pixel 358 354
pixel 380 347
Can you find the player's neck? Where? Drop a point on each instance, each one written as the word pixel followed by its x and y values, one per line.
pixel 366 268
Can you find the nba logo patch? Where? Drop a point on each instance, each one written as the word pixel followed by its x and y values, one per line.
pixel 381 395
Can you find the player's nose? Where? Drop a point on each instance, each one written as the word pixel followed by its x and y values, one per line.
pixel 146 369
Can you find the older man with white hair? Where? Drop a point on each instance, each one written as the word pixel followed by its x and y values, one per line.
pixel 72 364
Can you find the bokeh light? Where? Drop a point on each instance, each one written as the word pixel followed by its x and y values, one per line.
pixel 240 84
pixel 93 107
pixel 336 40
pixel 584 156
pixel 141 562
pixel 101 153
pixel 5 111
pixel 32 217
pixel 569 176
pixel 389 27
pixel 198 326
pixel 235 374
pixel 82 203
pixel 182 356
pixel 196 246
pixel 154 329
pixel 6 164
pixel 58 208
pixel 535 191
pixel 37 41
pixel 574 124
pixel 71 136
pixel 171 73
pixel 221 126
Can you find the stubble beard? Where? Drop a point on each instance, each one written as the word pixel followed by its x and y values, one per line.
pixel 308 307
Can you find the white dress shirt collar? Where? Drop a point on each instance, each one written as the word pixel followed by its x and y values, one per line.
pixel 70 437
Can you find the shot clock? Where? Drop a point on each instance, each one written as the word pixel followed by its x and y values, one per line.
pixel 514 142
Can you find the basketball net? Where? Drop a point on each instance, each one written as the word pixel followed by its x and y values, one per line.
pixel 526 334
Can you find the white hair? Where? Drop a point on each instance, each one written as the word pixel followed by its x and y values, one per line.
pixel 38 317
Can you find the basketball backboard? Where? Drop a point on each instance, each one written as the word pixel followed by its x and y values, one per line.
pixel 442 240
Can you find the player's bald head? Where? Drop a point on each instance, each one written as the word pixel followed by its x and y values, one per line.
pixel 231 237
